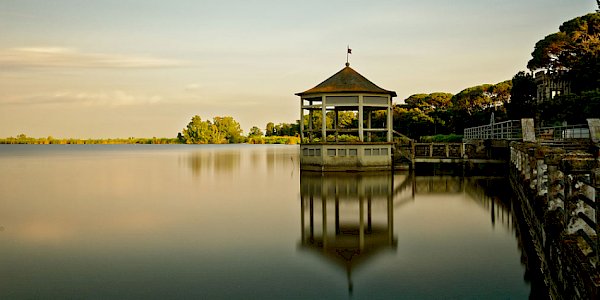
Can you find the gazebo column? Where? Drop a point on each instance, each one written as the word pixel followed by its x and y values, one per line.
pixel 336 119
pixel 301 119
pixel 390 120
pixel 369 125
pixel 310 124
pixel 323 120
pixel 360 119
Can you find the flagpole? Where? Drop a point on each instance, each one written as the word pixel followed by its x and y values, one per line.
pixel 347 53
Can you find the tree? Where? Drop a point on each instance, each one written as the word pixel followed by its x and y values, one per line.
pixel 413 122
pixel 417 100
pixel 255 132
pixel 575 49
pixel 287 129
pixel 522 97
pixel 270 129
pixel 500 92
pixel 572 108
pixel 548 52
pixel 199 132
pixel 222 130
pixel 347 119
pixel 440 100
pixel 229 128
pixel 473 99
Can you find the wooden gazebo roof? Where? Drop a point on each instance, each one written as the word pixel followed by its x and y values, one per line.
pixel 347 80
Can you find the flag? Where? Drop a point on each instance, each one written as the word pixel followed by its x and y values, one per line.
pixel 349 51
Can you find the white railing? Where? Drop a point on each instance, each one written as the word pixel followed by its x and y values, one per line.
pixel 508 130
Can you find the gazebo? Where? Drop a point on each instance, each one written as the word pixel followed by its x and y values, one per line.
pixel 328 145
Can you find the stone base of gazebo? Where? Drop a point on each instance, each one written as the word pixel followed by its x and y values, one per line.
pixel 346 156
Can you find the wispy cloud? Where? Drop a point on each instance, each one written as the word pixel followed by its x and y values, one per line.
pixel 59 57
pixel 111 99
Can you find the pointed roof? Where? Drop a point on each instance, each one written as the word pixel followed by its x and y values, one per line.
pixel 347 81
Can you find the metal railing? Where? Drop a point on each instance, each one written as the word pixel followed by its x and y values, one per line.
pixel 559 133
pixel 508 130
pixel 512 130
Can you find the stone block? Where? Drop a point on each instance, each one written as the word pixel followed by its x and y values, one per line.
pixel 573 164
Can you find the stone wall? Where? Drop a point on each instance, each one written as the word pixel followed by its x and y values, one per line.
pixel 557 192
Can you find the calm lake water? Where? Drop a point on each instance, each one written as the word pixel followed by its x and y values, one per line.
pixel 242 222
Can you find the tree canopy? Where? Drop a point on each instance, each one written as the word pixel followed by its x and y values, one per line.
pixel 575 49
pixel 431 101
pixel 522 97
pixel 221 131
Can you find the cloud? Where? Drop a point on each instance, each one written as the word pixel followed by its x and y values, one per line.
pixel 112 99
pixel 59 57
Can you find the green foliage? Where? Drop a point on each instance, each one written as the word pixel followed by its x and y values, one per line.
pixel 289 140
pixel 441 138
pixel 23 139
pixel 574 49
pixel 201 132
pixel 572 108
pixel 473 99
pixel 431 101
pixel 522 97
pixel 417 100
pixel 230 129
pixel 444 113
pixel 317 119
pixel 287 129
pixel 255 132
pixel 413 122
pixel 346 119
pixel 283 129
pixel 270 130
pixel 343 138
pixel 548 53
pixel 221 131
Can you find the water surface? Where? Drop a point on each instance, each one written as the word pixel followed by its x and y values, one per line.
pixel 234 221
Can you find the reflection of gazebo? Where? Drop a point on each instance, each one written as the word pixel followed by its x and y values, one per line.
pixel 364 146
pixel 347 217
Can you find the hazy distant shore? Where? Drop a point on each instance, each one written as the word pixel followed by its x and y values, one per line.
pixel 23 139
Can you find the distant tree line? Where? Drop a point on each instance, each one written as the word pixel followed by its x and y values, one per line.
pixel 226 130
pixel 24 139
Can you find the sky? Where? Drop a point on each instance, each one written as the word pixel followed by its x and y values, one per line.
pixel 125 68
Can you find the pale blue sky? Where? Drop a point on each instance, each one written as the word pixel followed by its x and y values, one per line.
pixel 92 69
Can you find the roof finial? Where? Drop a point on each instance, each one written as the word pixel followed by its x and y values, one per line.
pixel 347 54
